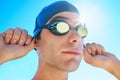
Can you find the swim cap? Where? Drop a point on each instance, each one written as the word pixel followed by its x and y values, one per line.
pixel 51 10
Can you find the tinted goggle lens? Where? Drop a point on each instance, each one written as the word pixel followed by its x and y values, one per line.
pixel 61 28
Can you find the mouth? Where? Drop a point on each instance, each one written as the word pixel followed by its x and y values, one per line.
pixel 72 52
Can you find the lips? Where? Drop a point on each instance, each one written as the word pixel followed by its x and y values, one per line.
pixel 72 52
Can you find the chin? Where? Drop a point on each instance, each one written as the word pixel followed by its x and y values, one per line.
pixel 72 67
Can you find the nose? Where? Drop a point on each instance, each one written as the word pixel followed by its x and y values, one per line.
pixel 75 38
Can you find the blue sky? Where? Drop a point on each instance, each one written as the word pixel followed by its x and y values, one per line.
pixel 102 18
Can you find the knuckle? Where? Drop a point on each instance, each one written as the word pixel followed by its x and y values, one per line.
pixel 93 43
pixel 87 44
pixel 24 33
pixel 9 31
pixel 17 34
pixel 8 37
pixel 21 42
pixel 18 30
pixel 94 48
pixel 15 37
pixel 23 37
pixel 29 37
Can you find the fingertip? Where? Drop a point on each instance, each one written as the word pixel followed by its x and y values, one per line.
pixel 29 40
pixel 14 41
pixel 103 51
pixel 23 37
pixel 87 56
pixel 8 35
pixel 21 42
pixel 3 34
pixel 31 45
pixel 85 50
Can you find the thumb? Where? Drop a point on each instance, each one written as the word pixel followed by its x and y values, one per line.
pixel 1 40
pixel 87 57
pixel 30 46
pixel 25 49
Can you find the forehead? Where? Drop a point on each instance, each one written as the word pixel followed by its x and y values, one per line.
pixel 67 16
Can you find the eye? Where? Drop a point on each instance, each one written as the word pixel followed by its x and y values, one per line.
pixel 62 27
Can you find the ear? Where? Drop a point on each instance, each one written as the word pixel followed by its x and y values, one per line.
pixel 36 44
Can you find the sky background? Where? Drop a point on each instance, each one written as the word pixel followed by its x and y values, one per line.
pixel 102 18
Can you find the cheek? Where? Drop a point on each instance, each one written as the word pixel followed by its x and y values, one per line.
pixel 51 49
pixel 51 46
pixel 51 53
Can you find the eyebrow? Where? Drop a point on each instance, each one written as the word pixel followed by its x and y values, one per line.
pixel 60 17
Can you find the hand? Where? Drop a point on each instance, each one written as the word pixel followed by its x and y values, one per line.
pixel 14 43
pixel 96 55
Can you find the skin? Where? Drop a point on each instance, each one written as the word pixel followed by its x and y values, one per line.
pixel 104 60
pixel 16 42
pixel 54 60
pixel 58 55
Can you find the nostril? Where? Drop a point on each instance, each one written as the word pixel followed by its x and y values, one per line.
pixel 74 40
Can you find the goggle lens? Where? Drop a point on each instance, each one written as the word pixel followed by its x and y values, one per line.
pixel 82 30
pixel 61 28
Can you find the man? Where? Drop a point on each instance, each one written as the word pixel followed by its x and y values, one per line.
pixel 58 40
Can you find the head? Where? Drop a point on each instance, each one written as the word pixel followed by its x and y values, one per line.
pixel 60 48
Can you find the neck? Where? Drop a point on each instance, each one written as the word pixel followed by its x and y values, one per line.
pixel 47 72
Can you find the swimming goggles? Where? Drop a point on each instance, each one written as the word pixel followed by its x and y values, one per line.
pixel 60 27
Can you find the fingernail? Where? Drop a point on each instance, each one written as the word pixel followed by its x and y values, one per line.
pixel 21 42
pixel 13 41
pixel 28 41
pixel 7 40
pixel 89 51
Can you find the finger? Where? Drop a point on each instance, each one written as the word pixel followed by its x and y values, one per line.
pixel 102 49
pixel 1 38
pixel 99 49
pixel 29 39
pixel 87 56
pixel 87 47
pixel 8 35
pixel 23 37
pixel 3 34
pixel 31 45
pixel 1 41
pixel 91 47
pixel 16 36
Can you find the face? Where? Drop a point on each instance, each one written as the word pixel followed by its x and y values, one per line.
pixel 61 52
